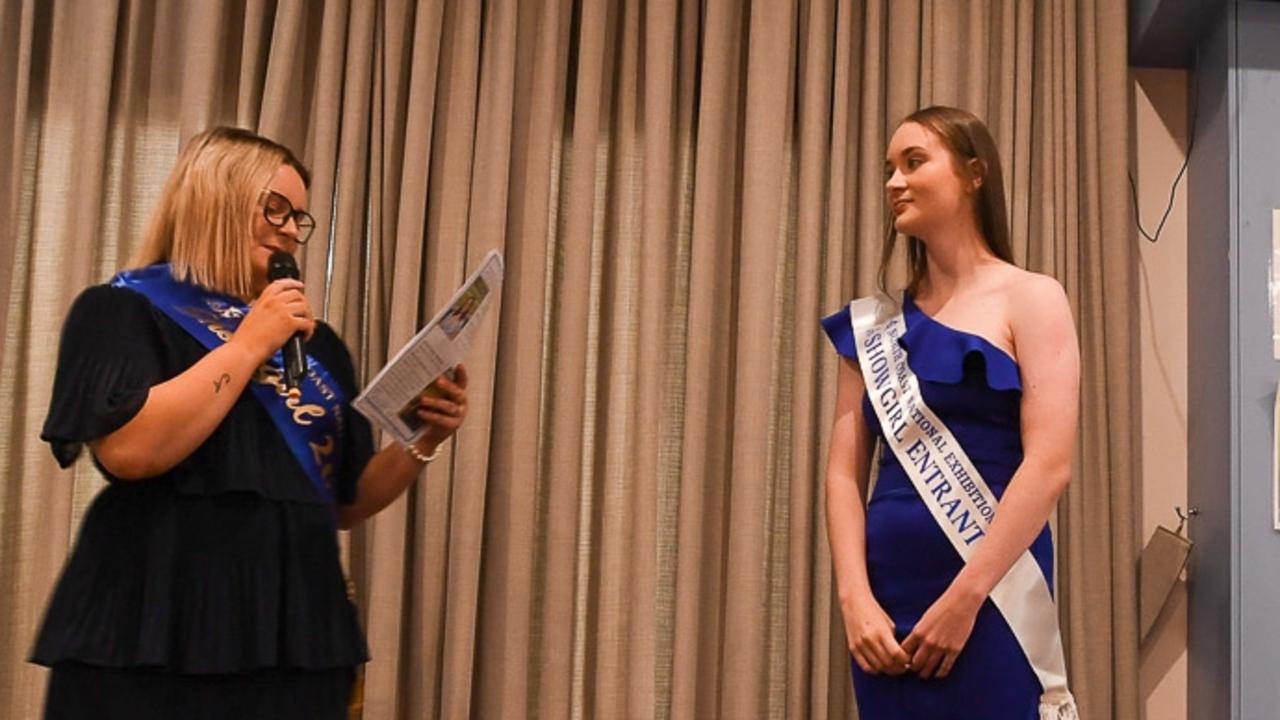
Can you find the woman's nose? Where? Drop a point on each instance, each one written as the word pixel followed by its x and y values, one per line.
pixel 291 229
pixel 895 181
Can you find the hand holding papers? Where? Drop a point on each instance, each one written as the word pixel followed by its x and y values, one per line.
pixel 391 399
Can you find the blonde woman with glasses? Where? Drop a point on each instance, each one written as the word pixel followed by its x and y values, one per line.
pixel 205 581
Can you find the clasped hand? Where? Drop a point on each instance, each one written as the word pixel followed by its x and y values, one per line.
pixel 930 650
pixel 937 639
pixel 872 644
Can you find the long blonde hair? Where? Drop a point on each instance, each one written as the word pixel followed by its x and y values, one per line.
pixel 203 224
pixel 967 138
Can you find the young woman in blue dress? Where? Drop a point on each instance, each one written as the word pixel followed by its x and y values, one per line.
pixel 995 351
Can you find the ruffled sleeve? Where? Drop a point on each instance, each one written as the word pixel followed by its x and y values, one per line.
pixel 357 437
pixel 943 354
pixel 108 359
pixel 839 329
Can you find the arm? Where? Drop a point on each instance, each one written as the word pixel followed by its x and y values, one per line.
pixel 868 628
pixel 393 469
pixel 182 412
pixel 1050 360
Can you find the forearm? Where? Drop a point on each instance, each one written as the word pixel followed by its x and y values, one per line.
pixel 846 530
pixel 178 415
pixel 389 473
pixel 1023 511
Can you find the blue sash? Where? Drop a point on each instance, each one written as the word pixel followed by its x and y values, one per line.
pixel 311 425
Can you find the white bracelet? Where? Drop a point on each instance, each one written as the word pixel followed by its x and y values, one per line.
pixel 416 454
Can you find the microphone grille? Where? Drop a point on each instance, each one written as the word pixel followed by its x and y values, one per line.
pixel 281 266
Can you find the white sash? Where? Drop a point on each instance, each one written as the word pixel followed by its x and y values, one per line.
pixel 955 493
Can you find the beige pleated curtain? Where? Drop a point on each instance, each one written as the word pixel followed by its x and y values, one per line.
pixel 631 522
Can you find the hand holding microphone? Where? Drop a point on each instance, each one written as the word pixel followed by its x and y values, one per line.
pixel 280 316
pixel 281 266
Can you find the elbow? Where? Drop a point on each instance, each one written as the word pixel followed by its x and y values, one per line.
pixel 841 486
pixel 831 489
pixel 1059 484
pixel 347 518
pixel 128 469
pixel 1056 477
pixel 122 462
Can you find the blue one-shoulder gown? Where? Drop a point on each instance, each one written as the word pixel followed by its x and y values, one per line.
pixel 975 388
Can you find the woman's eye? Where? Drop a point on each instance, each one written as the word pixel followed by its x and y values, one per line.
pixel 914 163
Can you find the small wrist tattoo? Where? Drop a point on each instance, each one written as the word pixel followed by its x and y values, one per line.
pixel 217 384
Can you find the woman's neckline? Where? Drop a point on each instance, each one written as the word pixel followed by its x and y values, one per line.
pixel 907 297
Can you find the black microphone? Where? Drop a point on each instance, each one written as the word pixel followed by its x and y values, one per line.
pixel 281 266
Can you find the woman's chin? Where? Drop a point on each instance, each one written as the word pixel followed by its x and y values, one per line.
pixel 906 226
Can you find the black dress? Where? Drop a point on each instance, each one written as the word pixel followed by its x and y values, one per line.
pixel 213 590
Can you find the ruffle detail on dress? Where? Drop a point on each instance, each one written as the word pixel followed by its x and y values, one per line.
pixel 943 354
pixel 217 585
pixel 839 329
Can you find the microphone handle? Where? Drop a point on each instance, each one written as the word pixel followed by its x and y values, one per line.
pixel 294 363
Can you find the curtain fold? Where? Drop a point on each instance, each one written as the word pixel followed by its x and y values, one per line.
pixel 631 522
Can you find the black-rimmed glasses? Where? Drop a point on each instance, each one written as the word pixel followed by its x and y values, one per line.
pixel 277 210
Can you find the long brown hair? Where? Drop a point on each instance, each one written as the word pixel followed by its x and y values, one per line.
pixel 202 225
pixel 966 138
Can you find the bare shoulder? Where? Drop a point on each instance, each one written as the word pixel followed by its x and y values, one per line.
pixel 1039 312
pixel 1034 297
